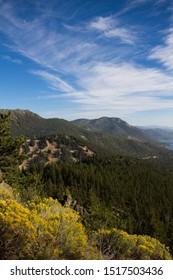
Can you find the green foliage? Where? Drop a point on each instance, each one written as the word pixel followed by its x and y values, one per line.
pixel 9 147
pixel 30 185
pixel 131 194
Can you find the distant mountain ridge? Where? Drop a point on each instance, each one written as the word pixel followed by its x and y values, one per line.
pixel 159 134
pixel 113 126
pixel 111 134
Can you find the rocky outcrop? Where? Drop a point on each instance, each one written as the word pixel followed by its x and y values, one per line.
pixel 69 202
pixel 52 150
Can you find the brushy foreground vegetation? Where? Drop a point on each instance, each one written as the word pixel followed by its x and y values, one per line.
pixel 44 229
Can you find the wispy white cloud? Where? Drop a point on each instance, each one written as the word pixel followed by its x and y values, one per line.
pixel 127 78
pixel 138 2
pixel 164 53
pixel 49 96
pixel 130 5
pixel 160 1
pixel 10 59
pixel 102 23
pixel 55 82
pixel 123 34
pixel 124 89
pixel 111 29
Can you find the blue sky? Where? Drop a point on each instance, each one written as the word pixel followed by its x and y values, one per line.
pixel 87 59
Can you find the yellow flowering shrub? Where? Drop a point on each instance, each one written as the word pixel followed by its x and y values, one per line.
pixel 44 230
pixel 24 235
pixel 155 249
pixel 68 233
pixel 16 231
pixel 118 244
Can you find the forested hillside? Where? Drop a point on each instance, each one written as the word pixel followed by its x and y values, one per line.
pixel 113 126
pixel 115 136
pixel 99 206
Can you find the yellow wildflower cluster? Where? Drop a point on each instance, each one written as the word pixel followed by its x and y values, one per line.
pixel 68 232
pixel 118 244
pixel 43 230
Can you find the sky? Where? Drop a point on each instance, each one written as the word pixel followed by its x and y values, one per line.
pixel 75 59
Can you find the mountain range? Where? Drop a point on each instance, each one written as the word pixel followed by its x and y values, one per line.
pixel 108 134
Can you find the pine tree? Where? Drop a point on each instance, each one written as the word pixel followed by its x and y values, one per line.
pixel 9 147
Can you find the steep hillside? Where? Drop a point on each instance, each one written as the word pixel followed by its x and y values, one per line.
pixel 31 125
